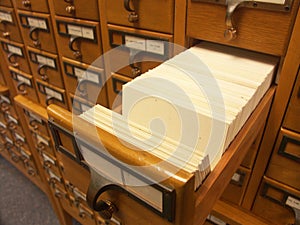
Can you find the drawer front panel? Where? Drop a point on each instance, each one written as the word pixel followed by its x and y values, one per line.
pixel 85 81
pixel 6 3
pixel 8 25
pixel 236 188
pixel 79 39
pixel 292 117
pixel 45 66
pixel 42 143
pixel 77 9
pixel 24 84
pixel 36 123
pixel 272 202
pixel 140 51
pixel 285 162
pixel 206 21
pixel 37 30
pixel 33 5
pixel 155 15
pixel 15 55
pixel 51 94
pixel 6 105
pixel 114 90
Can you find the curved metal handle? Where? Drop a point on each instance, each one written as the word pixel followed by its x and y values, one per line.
pixel 70 9
pixel 40 147
pixel 33 124
pixel 31 171
pixel 10 58
pixel 6 34
pixel 35 40
pixel 82 90
pixel 49 99
pixel 26 3
pixel 40 68
pixel 133 16
pixel 73 41
pixel 21 87
pixel 135 69
pixel 4 106
pixel 231 31
pixel 11 125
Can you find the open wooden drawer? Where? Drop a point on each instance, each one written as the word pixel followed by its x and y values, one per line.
pixel 178 202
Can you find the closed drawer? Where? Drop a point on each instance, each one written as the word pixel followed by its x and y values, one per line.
pixel 86 81
pixel 292 117
pixel 6 3
pixel 78 9
pixel 13 124
pixel 114 90
pixel 36 123
pixel 24 84
pixel 42 143
pixel 157 15
pixel 273 200
pixel 8 25
pixel 20 140
pixel 6 104
pixel 33 5
pixel 37 30
pixel 49 94
pixel 2 79
pixel 28 162
pixel 45 66
pixel 79 39
pixel 255 28
pixel 285 161
pixel 49 162
pixel 79 105
pixel 53 177
pixel 235 190
pixel 137 50
pixel 15 55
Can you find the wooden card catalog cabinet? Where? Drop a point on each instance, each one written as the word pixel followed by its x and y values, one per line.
pixel 262 26
pixel 153 15
pixel 79 39
pixel 37 30
pixel 15 55
pixel 79 9
pixel 9 25
pixel 33 5
pixel 24 84
pixel 139 50
pixel 45 66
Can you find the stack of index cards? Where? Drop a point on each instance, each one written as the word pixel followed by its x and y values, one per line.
pixel 188 110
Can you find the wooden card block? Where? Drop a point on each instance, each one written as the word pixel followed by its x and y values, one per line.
pixel 285 161
pixel 33 5
pixel 37 30
pixel 45 66
pixel 79 39
pixel 155 15
pixel 9 25
pixel 258 30
pixel 15 55
pixel 78 9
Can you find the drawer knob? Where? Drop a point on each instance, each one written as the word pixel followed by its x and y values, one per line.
pixel 6 34
pixel 74 47
pixel 42 69
pixel 133 16
pixel 26 3
pixel 106 209
pixel 33 35
pixel 21 87
pixel 33 124
pixel 70 9
pixel 230 34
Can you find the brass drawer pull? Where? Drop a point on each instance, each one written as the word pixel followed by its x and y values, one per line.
pixel 70 9
pixel 135 69
pixel 11 125
pixel 72 43
pixel 33 35
pixel 12 60
pixel 133 16
pixel 21 87
pixel 26 3
pixel 33 124
pixel 4 106
pixel 49 99
pixel 6 34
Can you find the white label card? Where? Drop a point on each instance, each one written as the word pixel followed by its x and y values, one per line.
pixel 135 42
pixel 54 94
pixel 19 137
pixel 35 117
pixel 85 107
pixel 6 17
pixel 12 119
pixel 40 139
pixel 80 31
pixel 25 154
pixel 82 74
pixel 5 99
pixel 236 177
pixel 293 202
pixel 48 159
pixel 8 140
pixel 24 80
pixel 155 46
pixel 45 61
pixel 39 23
pixel 2 125
pixel 15 50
